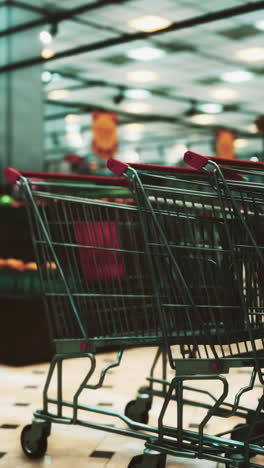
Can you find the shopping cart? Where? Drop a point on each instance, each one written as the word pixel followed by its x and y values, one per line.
pixel 138 409
pixel 98 295
pixel 213 236
pixel 126 304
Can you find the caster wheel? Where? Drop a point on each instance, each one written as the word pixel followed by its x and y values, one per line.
pixel 136 414
pixel 239 433
pixel 136 461
pixel 145 399
pixel 237 462
pixel 138 409
pixel 258 431
pixel 33 448
pixel 147 390
pixel 150 459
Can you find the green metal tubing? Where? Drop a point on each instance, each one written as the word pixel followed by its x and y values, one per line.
pixel 46 235
pixel 218 172
pixel 104 372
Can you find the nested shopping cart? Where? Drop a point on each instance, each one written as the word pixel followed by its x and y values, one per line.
pixel 138 409
pixel 170 262
pixel 205 248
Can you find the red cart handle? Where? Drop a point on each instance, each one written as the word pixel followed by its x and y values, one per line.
pixel 198 162
pixel 119 167
pixel 116 166
pixel 12 175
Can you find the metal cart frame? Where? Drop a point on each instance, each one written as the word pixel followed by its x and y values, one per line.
pixel 160 440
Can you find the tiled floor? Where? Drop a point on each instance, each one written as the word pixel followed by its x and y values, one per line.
pixel 68 446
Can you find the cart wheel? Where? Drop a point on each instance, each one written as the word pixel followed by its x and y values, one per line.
pixel 33 448
pixel 258 431
pixel 136 461
pixel 145 389
pixel 237 461
pixel 138 409
pixel 150 459
pixel 239 433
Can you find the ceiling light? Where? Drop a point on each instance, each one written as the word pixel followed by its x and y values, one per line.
pixel 142 76
pixel 137 93
pixel 241 142
pixel 202 119
pixel 260 25
pixel 133 136
pixel 58 93
pixel 137 107
pixel 133 131
pixel 47 53
pixel 145 53
pixel 133 127
pixel 224 94
pixel 238 76
pixel 72 117
pixel 253 128
pixel 253 54
pixel 45 37
pixel 149 23
pixel 46 76
pixel 211 108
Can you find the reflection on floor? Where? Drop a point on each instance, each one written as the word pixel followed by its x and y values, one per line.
pixel 69 446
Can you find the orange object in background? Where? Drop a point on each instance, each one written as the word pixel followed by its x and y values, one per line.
pixel 17 264
pixel 51 265
pixel 225 144
pixel 31 266
pixel 14 263
pixel 17 204
pixel 105 139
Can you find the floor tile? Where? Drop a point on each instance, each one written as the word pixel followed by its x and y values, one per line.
pixel 75 446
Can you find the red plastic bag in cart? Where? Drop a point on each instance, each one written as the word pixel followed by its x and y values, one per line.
pixel 103 261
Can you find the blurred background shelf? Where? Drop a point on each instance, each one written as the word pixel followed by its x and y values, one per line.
pixel 24 337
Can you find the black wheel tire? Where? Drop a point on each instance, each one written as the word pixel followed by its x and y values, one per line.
pixel 258 430
pixel 137 417
pixel 162 461
pixel 239 433
pixel 136 461
pixel 162 464
pixel 36 449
